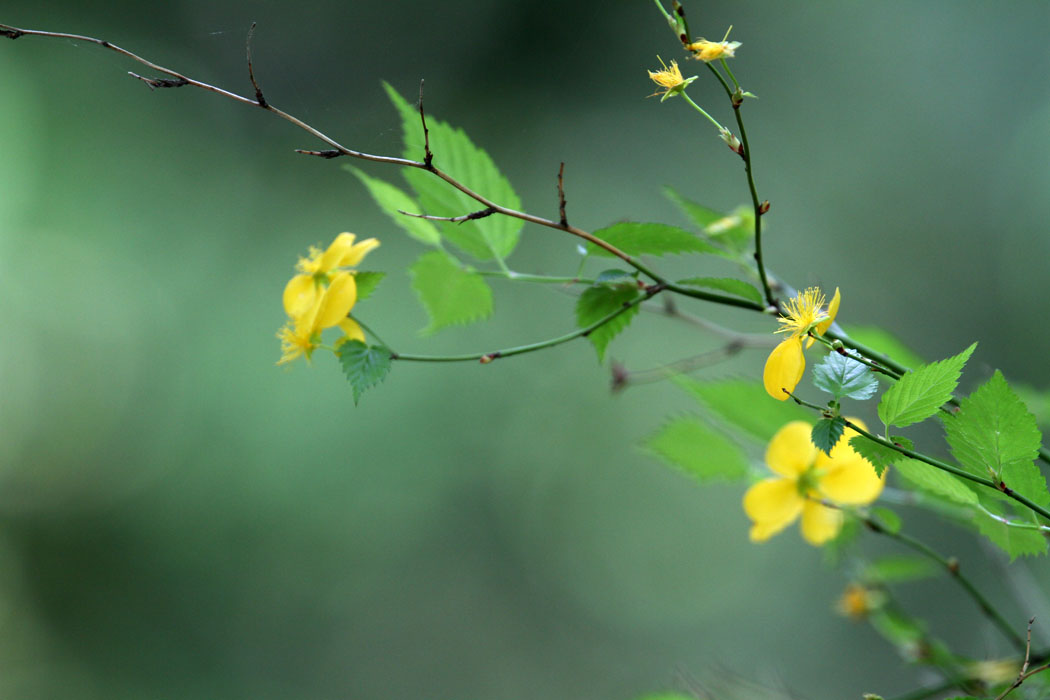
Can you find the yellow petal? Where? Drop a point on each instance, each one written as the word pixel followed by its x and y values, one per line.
pixel 852 482
pixel 833 309
pixel 299 294
pixel 772 504
pixel 332 257
pixel 337 301
pixel 784 368
pixel 820 523
pixel 791 451
pixel 352 330
pixel 357 252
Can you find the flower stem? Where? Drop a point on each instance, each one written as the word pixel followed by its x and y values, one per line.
pixel 700 109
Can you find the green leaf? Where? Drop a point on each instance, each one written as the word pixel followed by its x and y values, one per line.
pixel 726 284
pixel 697 450
pixel 898 569
pixel 391 200
pixel 879 340
pixel 698 213
pixel 890 521
pixel 363 366
pixel 827 433
pixel 612 275
pixel 367 283
pixel 456 155
pixel 600 301
pixel 1015 541
pixel 744 404
pixel 451 295
pixel 878 454
pixel 935 481
pixel 993 434
pixel 918 394
pixel 843 377
pixel 733 231
pixel 648 239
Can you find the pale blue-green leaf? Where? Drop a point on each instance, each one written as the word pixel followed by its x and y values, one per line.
pixel 450 295
pixel 363 366
pixel 693 447
pixel 918 394
pixel 392 200
pixel 843 377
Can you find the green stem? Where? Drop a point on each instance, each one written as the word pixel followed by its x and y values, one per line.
pixel 540 279
pixel 532 347
pixel 952 567
pixel 700 109
pixel 725 65
pixel 712 297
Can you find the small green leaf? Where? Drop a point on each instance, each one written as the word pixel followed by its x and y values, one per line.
pixel 935 481
pixel 726 284
pixel 599 302
pixel 367 283
pixel 993 434
pixel 877 454
pixel 898 569
pixel 455 154
pixel 697 450
pixel 612 275
pixel 700 215
pixel 918 394
pixel 889 520
pixel 827 433
pixel 745 404
pixel 843 377
pixel 648 239
pixel 734 231
pixel 451 295
pixel 363 366
pixel 880 341
pixel 392 200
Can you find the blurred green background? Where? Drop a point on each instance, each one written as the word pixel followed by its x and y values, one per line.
pixel 181 519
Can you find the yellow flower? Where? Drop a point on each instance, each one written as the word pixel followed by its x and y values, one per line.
pixel 670 79
pixel 805 477
pixel 707 51
pixel 321 296
pixel 805 315
pixel 858 601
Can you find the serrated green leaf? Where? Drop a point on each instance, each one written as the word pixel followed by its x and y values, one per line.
pixel 363 366
pixel 598 302
pixel 878 454
pixel 694 448
pixel 889 520
pixel 993 434
pixel 744 404
pixel 456 155
pixel 1015 541
pixel 612 275
pixel 918 394
pixel 880 341
pixel 450 295
pixel 726 284
pixel 827 433
pixel 391 200
pixel 734 231
pixel 843 377
pixel 367 283
pixel 935 481
pixel 897 569
pixel 700 215
pixel 636 239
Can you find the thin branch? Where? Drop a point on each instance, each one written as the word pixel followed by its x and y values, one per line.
pixel 428 157
pixel 563 220
pixel 481 214
pixel 329 153
pixel 251 71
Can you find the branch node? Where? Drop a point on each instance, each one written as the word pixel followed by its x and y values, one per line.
pixel 251 71
pixel 561 197
pixel 11 32
pixel 428 157
pixel 153 83
pixel 328 153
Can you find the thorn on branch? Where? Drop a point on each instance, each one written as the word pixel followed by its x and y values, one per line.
pixel 428 157
pixel 488 211
pixel 251 71
pixel 153 83
pixel 561 197
pixel 329 153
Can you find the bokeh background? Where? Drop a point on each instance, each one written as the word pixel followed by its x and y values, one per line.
pixel 181 519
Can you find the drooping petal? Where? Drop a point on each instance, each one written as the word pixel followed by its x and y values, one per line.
pixel 337 301
pixel 851 482
pixel 358 251
pixel 300 293
pixel 333 256
pixel 820 523
pixel 772 504
pixel 352 330
pixel 784 368
pixel 791 451
pixel 833 309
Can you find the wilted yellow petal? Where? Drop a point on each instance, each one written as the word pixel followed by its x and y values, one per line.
pixel 833 309
pixel 299 294
pixel 791 451
pixel 784 368
pixel 337 301
pixel 820 523
pixel 772 504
